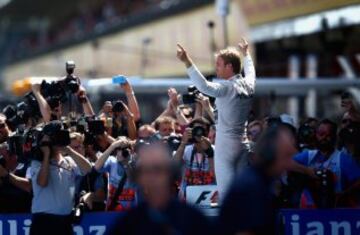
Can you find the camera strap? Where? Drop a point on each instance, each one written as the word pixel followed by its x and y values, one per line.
pixel 118 191
pixel 200 165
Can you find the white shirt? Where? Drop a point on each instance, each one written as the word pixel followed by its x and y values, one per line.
pixel 233 98
pixel 58 196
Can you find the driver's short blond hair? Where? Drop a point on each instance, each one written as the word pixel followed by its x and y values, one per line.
pixel 231 56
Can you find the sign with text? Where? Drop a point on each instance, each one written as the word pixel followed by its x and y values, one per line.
pixel 321 222
pixel 203 197
pixel 92 224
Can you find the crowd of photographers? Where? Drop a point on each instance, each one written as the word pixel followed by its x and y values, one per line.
pixel 56 152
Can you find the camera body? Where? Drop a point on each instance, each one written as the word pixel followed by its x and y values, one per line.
pixel 174 142
pixel 59 89
pixel 323 189
pixel 22 112
pixel 190 97
pixel 197 132
pixel 27 145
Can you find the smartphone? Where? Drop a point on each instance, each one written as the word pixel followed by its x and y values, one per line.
pixel 119 79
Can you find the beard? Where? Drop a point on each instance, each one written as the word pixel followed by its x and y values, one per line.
pixel 325 146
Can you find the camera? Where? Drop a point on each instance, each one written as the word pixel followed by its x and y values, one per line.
pixel 306 135
pixel 174 142
pixel 126 152
pixel 190 97
pixel 78 210
pixel 323 189
pixel 22 112
pixel 350 134
pixel 197 132
pixel 72 82
pixel 59 89
pixel 26 144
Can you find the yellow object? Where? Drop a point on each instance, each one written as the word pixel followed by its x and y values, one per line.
pixel 20 87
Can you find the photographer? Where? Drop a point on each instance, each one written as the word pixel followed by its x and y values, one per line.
pixel 307 136
pixel 51 108
pixel 90 187
pixel 350 143
pixel 121 115
pixel 327 159
pixel 15 190
pixel 233 102
pixel 117 162
pixel 53 184
pixel 197 155
pixel 352 113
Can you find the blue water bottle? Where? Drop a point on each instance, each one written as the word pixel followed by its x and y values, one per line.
pixel 119 79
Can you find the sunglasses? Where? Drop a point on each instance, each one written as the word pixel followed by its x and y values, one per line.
pixel 2 125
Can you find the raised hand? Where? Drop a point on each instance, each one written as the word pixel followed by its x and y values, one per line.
pixel 244 47
pixel 187 136
pixel 183 56
pixel 127 88
pixel 173 96
pixel 120 142
pixel 126 112
pixel 203 100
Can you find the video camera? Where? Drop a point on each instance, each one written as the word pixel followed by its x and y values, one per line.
pixel 59 89
pixel 22 112
pixel 90 127
pixel 27 144
pixel 190 97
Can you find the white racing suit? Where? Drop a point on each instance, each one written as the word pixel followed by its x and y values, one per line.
pixel 233 103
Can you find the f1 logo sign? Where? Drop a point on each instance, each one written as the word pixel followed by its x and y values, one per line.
pixel 202 196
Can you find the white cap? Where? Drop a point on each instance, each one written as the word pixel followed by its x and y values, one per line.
pixel 286 118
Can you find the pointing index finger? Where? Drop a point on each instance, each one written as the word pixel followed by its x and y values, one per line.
pixel 179 46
